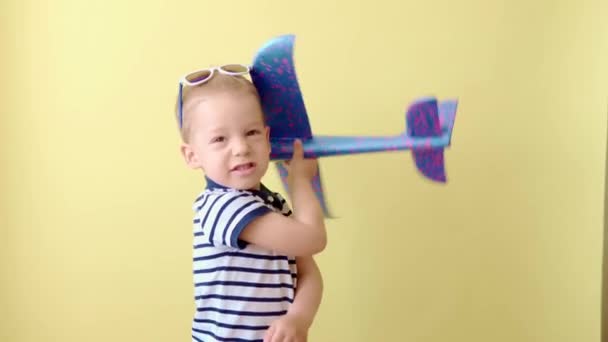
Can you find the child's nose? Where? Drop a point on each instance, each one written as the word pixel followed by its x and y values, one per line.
pixel 240 147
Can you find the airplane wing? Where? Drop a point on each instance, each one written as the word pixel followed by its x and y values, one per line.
pixel 274 76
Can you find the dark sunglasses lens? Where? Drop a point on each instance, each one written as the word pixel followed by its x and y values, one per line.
pixel 235 68
pixel 198 76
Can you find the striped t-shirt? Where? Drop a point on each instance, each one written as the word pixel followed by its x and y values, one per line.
pixel 239 288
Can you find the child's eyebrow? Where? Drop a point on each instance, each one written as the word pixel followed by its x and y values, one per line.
pixel 254 124
pixel 222 129
pixel 215 130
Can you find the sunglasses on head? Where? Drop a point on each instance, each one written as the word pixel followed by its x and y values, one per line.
pixel 201 76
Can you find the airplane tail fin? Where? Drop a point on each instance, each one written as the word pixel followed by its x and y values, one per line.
pixel 317 186
pixel 425 118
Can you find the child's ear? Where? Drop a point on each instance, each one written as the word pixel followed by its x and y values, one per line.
pixel 190 156
pixel 267 129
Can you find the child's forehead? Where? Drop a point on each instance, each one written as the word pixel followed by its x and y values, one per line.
pixel 213 124
pixel 225 108
pixel 221 99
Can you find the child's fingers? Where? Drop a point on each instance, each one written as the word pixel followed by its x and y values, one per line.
pixel 278 336
pixel 269 334
pixel 298 151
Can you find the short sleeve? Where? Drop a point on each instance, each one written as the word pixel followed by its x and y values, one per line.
pixel 223 217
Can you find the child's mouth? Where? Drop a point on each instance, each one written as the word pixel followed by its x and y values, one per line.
pixel 244 168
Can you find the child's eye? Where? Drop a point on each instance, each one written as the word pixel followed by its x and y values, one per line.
pixel 253 132
pixel 218 139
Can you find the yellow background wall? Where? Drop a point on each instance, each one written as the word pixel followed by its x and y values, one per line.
pixel 95 199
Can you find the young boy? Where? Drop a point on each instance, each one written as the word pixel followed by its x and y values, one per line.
pixel 254 275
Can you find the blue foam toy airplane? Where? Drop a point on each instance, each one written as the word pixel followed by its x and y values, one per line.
pixel 429 122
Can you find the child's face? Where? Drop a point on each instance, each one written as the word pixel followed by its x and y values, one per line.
pixel 229 140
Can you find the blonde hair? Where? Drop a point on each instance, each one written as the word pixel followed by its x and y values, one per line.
pixel 218 83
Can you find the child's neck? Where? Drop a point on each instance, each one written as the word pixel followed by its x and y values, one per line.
pixel 213 184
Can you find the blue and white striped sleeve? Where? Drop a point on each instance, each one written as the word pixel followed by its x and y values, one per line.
pixel 224 216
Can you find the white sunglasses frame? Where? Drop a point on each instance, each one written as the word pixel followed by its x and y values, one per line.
pixel 220 69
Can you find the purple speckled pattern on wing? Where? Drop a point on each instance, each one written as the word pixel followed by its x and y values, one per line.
pixel 274 76
pixel 423 121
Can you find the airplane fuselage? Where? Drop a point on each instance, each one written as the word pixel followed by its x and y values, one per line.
pixel 323 146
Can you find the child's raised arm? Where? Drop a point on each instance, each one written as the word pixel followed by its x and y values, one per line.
pixel 302 234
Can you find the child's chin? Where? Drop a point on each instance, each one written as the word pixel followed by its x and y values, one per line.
pixel 247 185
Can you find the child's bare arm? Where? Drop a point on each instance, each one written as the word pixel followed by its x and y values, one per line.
pixel 302 234
pixel 309 291
pixel 295 324
pixel 285 235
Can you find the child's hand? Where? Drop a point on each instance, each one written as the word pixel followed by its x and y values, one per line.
pixel 299 167
pixel 288 328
